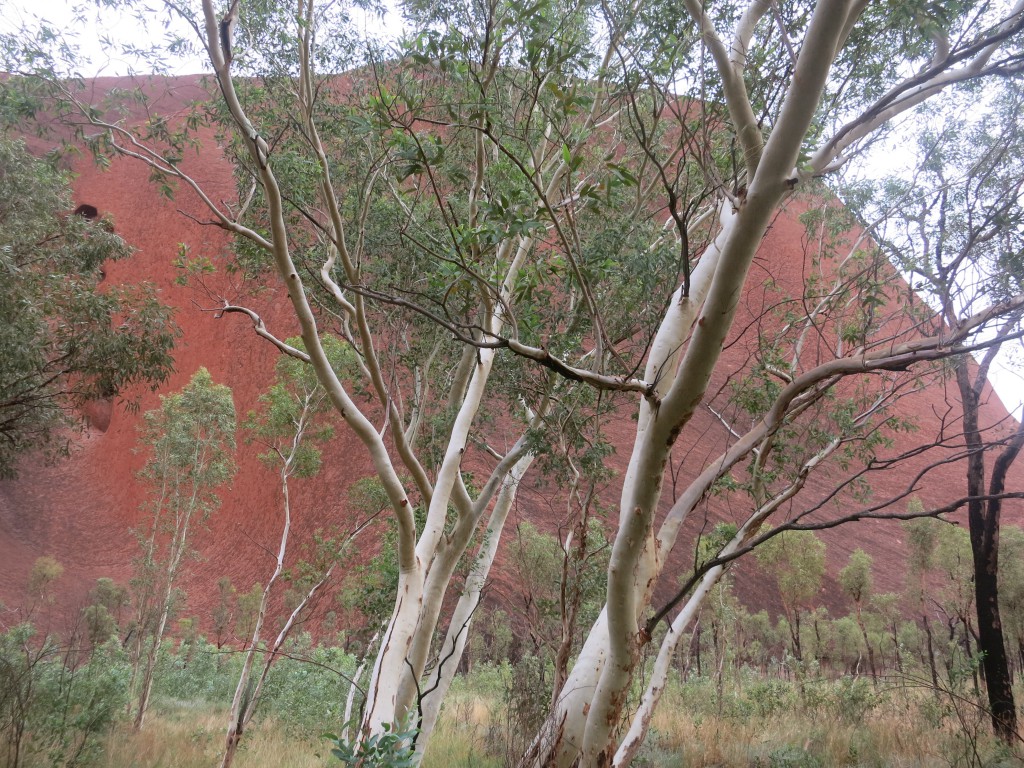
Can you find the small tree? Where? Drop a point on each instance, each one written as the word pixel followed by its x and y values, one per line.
pixel 941 564
pixel 224 611
pixel 721 615
pixel 290 425
pixel 856 580
pixel 103 614
pixel 42 579
pixel 797 560
pixel 1011 591
pixel 959 232
pixel 248 610
pixel 190 440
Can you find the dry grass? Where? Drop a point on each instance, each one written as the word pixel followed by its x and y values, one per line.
pixel 183 735
pixel 896 728
pixel 786 740
pixel 465 733
pixel 893 731
pixel 180 735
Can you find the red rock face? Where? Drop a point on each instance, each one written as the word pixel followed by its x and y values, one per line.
pixel 81 510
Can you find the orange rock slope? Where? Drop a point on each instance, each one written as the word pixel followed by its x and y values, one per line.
pixel 81 510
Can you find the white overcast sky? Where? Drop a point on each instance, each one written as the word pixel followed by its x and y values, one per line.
pixel 97 62
pixel 1006 375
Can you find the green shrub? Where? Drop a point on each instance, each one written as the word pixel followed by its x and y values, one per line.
pixel 486 679
pixel 306 690
pixel 770 696
pixel 789 756
pixel 197 671
pixel 854 698
pixel 54 709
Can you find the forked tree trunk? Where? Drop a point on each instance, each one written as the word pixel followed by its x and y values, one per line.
pixel 242 704
pixel 931 651
pixel 983 521
pixel 149 668
pixel 867 643
pixel 794 635
pixel 990 634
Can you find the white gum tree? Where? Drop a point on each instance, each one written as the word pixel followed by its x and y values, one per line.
pixel 532 222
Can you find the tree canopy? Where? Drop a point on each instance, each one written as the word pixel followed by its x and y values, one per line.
pixel 62 341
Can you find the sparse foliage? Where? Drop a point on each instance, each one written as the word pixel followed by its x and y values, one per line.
pixel 189 442
pixel 290 425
